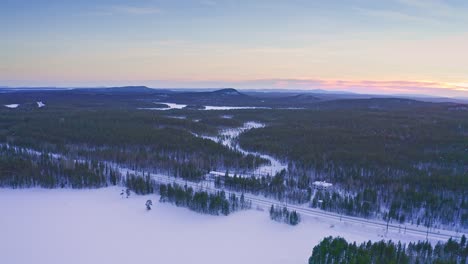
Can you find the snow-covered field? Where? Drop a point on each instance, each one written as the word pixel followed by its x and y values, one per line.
pixel 98 226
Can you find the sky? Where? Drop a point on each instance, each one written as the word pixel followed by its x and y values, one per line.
pixel 363 46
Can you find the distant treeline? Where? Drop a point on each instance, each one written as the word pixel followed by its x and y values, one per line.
pixel 338 250
pixel 19 168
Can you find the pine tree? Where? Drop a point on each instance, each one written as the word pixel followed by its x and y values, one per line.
pixel 148 204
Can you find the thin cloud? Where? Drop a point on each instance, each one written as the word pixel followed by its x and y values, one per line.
pixel 208 3
pixel 394 15
pixel 126 10
pixel 430 6
pixel 135 10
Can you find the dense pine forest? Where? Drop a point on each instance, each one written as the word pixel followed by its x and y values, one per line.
pixel 19 168
pixel 338 250
pixel 136 139
pixel 400 160
pixel 406 166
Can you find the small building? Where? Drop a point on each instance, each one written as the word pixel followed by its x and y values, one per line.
pixel 321 185
pixel 214 174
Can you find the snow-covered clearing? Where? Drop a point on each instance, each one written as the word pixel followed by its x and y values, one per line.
pixel 210 107
pixel 170 106
pixel 12 105
pixel 98 226
pixel 207 107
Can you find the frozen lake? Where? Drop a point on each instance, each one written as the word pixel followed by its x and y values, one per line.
pixel 98 226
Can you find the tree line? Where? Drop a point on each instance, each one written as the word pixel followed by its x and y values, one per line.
pixel 284 215
pixel 338 250
pixel 19 168
pixel 201 201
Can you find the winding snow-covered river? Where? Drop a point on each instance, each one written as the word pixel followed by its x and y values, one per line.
pixel 229 138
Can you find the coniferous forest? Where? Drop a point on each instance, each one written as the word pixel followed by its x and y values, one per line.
pixel 234 131
pixel 338 250
pixel 279 214
pixel 19 168
pixel 201 201
pixel 399 160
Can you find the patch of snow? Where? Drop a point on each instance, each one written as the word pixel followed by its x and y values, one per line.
pixel 178 117
pixel 210 107
pixel 170 106
pixel 12 105
pixel 98 226
pixel 40 104
pixel 322 184
pixel 222 174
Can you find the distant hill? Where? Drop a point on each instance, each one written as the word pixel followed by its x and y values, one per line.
pixel 123 89
pixel 374 103
pixel 142 96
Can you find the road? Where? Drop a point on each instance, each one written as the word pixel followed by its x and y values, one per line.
pixel 305 211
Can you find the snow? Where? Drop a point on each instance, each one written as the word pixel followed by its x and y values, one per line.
pixel 322 184
pixel 170 106
pixel 12 105
pixel 228 137
pixel 210 107
pixel 40 104
pixel 98 226
pixel 223 174
pixel 178 117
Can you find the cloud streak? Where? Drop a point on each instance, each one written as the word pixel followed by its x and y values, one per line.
pixel 126 10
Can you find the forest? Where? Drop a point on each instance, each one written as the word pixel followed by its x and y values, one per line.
pixel 20 169
pixel 136 139
pixel 338 250
pixel 406 166
pixel 399 160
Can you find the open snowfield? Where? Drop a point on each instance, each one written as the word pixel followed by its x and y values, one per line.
pixel 98 226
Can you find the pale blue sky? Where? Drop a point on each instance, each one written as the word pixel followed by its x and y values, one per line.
pixel 358 45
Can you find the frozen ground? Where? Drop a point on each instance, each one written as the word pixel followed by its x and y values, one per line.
pixel 98 226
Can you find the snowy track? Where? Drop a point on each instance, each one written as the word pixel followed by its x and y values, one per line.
pixel 265 203
pixel 305 211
